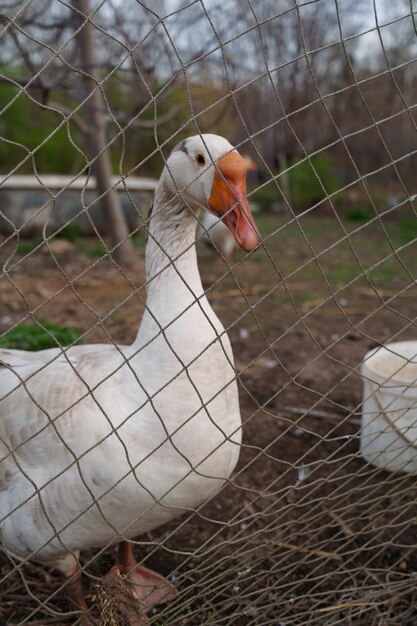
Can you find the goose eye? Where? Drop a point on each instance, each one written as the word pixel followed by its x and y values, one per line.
pixel 200 159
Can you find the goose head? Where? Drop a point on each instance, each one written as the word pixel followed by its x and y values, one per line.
pixel 209 173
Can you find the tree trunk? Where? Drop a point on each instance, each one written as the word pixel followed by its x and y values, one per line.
pixel 116 224
pixel 285 180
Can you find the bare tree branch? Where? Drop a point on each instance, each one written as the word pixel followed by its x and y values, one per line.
pixel 98 149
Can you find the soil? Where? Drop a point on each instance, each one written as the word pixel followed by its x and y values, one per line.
pixel 306 532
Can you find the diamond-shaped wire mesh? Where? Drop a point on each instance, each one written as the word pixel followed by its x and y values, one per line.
pixel 110 435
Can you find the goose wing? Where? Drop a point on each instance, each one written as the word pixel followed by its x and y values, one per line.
pixel 45 399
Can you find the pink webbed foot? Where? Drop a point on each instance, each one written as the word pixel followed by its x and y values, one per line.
pixel 149 586
pixel 136 588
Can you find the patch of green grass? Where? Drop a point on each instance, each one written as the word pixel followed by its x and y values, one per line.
pixel 357 214
pixel 303 296
pixel 280 297
pixel 308 178
pixel 266 197
pixel 33 337
pixel 70 232
pixel 138 241
pixel 290 231
pixel 344 271
pixel 98 251
pixel 376 247
pixel 262 292
pixel 408 229
pixel 387 272
pixel 25 247
pixel 266 222
pixel 319 226
pixel 300 297
pixel 304 274
pixel 399 232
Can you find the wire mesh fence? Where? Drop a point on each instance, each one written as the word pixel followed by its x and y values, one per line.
pixel 255 482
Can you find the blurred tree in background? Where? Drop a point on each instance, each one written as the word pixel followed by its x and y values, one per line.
pixel 286 82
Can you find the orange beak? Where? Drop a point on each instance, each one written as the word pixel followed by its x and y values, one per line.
pixel 228 200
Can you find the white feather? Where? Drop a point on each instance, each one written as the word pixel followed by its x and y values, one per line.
pixel 101 441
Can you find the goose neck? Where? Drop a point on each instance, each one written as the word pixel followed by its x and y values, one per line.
pixel 171 259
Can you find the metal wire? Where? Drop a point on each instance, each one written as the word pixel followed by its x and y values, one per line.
pixel 304 531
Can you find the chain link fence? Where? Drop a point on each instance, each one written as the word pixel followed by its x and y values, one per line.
pixel 111 436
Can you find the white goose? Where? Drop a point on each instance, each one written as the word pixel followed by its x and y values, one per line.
pixel 102 443
pixel 215 234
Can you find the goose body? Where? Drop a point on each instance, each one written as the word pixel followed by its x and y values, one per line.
pixel 103 442
pixel 171 454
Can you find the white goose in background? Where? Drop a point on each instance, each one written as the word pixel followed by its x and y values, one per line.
pixel 102 443
pixel 215 234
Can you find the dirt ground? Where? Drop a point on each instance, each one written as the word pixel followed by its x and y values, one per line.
pixel 305 532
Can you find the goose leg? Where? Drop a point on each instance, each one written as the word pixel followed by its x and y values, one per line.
pixel 76 594
pixel 136 588
pixel 150 587
pixel 68 566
